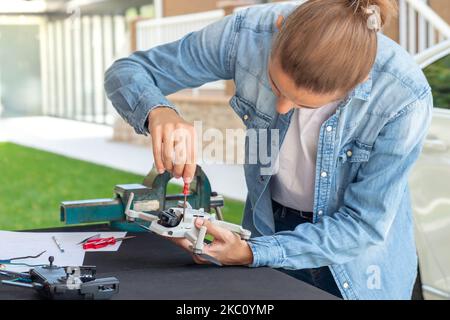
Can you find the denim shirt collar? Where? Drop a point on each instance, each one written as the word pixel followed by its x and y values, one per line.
pixel 362 91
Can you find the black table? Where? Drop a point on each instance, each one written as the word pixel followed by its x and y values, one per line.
pixel 151 267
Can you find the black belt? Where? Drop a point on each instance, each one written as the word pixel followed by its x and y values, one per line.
pixel 286 210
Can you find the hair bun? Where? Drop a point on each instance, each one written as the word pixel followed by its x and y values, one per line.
pixel 374 18
pixel 377 12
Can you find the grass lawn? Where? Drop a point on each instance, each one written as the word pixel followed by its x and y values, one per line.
pixel 34 182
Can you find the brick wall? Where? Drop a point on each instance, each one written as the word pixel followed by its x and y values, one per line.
pixel 212 110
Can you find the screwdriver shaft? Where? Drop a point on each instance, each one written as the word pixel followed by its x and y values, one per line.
pixel 185 192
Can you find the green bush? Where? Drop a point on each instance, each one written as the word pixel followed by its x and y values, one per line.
pixel 438 75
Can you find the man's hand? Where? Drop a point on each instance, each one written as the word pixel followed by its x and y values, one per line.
pixel 174 143
pixel 227 247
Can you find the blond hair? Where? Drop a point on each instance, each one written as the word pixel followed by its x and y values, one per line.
pixel 329 46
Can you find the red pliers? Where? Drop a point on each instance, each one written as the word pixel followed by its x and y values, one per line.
pixel 103 242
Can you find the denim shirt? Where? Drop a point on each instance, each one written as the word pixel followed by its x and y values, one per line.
pixel 363 225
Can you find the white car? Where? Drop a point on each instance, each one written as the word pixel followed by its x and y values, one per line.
pixel 430 192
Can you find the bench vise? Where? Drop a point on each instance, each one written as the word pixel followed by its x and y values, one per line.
pixel 149 197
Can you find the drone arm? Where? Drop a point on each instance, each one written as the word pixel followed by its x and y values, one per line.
pixel 198 246
pixel 18 284
pixel 132 214
pixel 12 274
pixel 243 233
pixel 192 235
pixel 140 215
pixel 197 237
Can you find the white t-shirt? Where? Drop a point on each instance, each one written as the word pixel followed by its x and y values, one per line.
pixel 293 184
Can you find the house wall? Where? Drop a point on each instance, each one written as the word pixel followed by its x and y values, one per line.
pixel 441 7
pixel 177 7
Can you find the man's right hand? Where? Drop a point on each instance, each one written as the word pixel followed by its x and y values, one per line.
pixel 174 143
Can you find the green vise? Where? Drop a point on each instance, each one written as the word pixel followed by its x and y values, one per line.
pixel 150 197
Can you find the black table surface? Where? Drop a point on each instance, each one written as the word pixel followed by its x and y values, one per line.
pixel 151 267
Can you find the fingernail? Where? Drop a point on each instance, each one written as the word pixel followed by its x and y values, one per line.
pixel 161 171
pixel 188 180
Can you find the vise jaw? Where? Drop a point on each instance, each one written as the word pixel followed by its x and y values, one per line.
pixel 150 197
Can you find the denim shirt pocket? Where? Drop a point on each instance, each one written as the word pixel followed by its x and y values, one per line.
pixel 249 113
pixel 349 160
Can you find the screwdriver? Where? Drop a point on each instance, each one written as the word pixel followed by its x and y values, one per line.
pixel 185 192
pixel 103 242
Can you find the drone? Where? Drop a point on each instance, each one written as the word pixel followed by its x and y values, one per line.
pixel 179 222
pixel 63 283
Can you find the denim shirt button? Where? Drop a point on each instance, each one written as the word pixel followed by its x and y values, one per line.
pixel 324 174
pixel 245 117
pixel 320 212
pixel 345 285
pixel 329 128
pixel 349 153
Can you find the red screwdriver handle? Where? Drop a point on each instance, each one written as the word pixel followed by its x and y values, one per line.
pixel 99 243
pixel 186 189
